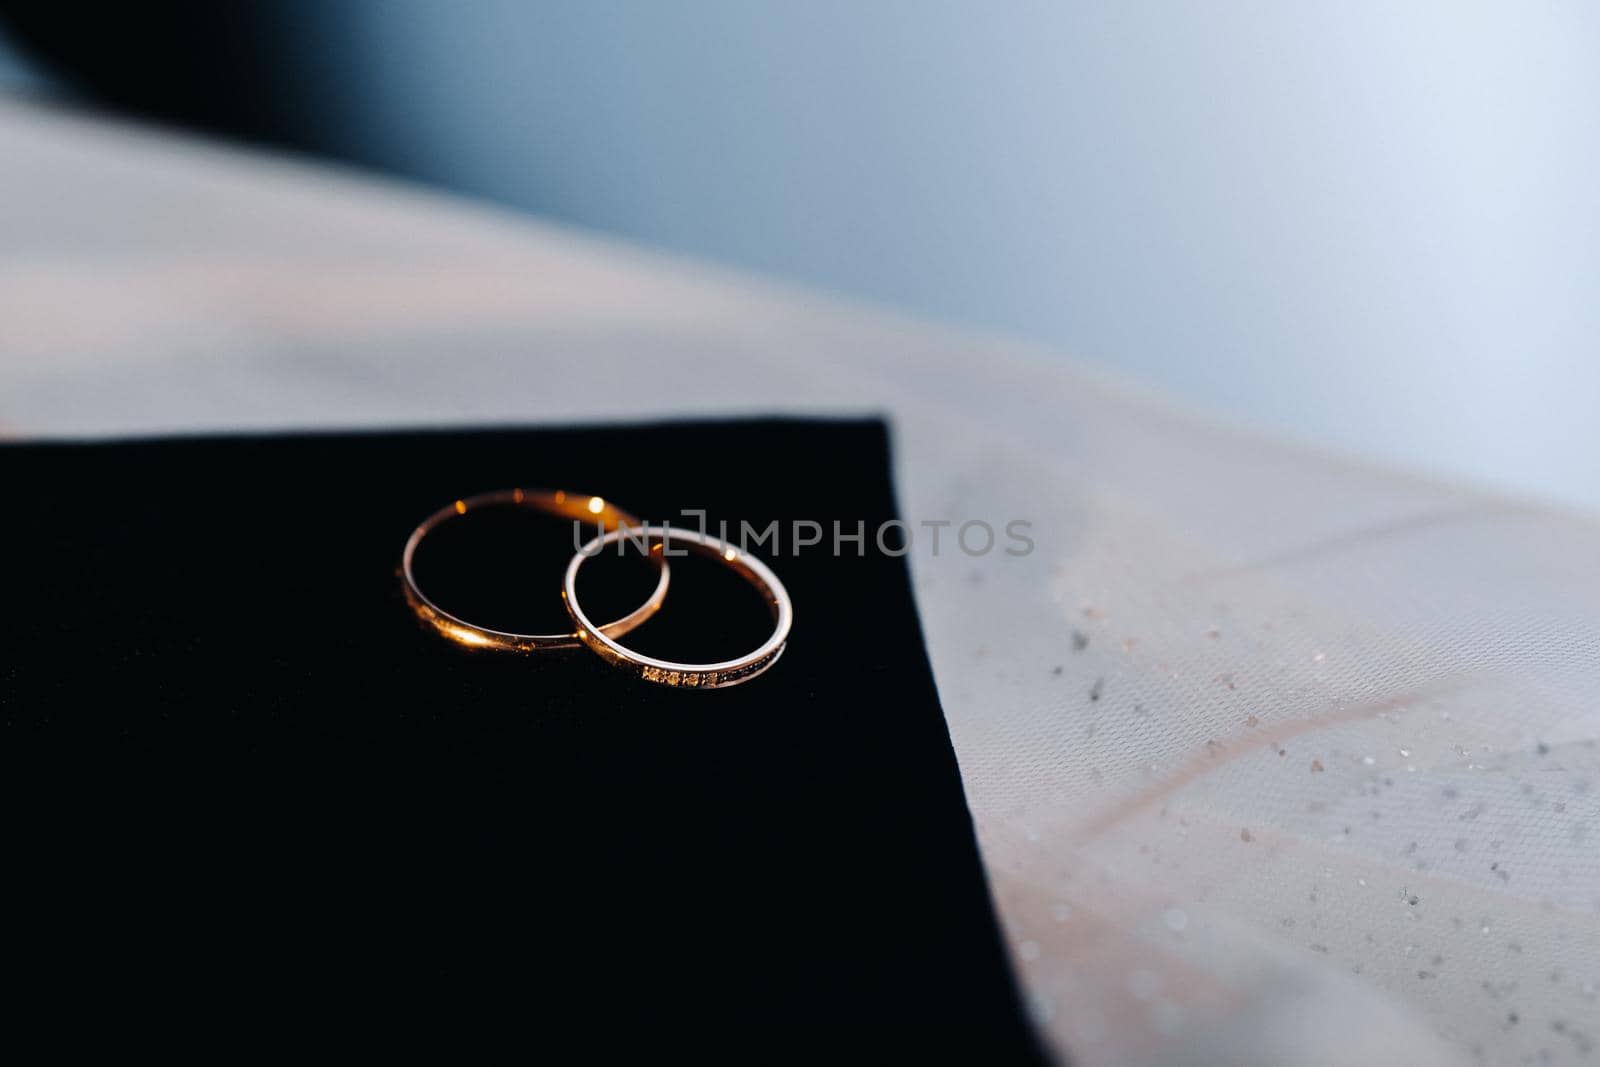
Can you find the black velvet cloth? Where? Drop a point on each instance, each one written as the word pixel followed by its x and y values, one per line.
pixel 247 782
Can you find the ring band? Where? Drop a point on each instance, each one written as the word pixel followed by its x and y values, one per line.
pixel 552 502
pixel 667 672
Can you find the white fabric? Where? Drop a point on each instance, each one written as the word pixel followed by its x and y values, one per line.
pixel 1274 758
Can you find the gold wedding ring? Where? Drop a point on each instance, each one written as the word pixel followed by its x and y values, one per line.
pixel 600 639
pixel 579 506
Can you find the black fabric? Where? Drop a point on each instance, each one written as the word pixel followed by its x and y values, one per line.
pixel 246 780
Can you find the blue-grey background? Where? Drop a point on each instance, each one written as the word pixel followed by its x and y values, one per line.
pixel 1368 225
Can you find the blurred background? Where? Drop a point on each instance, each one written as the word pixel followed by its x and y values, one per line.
pixel 1369 226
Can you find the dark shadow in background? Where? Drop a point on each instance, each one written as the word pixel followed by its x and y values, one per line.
pixel 234 69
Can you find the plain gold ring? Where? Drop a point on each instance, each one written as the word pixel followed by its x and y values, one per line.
pixel 579 506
